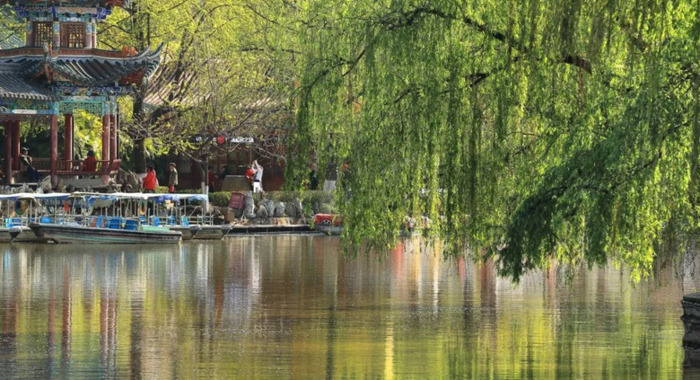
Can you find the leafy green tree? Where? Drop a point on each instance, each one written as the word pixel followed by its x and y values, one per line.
pixel 524 130
pixel 223 72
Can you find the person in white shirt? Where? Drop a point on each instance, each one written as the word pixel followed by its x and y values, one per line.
pixel 257 177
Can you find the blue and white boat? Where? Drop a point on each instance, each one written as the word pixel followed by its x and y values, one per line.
pixel 188 214
pixel 105 218
pixel 18 210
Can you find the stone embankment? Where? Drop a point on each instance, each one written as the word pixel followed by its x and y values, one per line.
pixel 691 339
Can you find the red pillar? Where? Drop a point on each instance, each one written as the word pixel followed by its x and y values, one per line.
pixel 113 137
pixel 68 139
pixel 54 149
pixel 105 138
pixel 8 152
pixel 14 127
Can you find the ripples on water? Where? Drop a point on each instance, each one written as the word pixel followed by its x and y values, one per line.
pixel 293 307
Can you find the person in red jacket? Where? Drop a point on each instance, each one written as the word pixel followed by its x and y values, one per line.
pixel 150 182
pixel 90 163
pixel 249 175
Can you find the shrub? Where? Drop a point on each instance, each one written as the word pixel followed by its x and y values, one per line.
pixel 220 198
pixel 322 199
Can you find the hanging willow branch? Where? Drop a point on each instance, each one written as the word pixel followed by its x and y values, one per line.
pixel 527 130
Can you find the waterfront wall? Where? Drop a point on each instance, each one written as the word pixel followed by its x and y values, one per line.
pixel 691 321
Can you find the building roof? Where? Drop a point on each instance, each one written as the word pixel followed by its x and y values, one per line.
pixel 82 67
pixel 9 40
pixel 14 87
pixel 98 71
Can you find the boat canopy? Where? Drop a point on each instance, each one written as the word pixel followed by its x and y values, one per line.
pixel 178 198
pixel 99 200
pixel 59 196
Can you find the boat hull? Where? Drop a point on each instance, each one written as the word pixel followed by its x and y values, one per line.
pixel 210 232
pixel 328 224
pixel 66 234
pixel 185 231
pixel 5 236
pixel 24 234
pixel 329 230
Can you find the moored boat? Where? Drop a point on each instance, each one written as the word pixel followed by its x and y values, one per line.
pixel 23 208
pixel 186 232
pixel 328 223
pixel 10 222
pixel 5 236
pixel 104 218
pixel 187 213
pixel 76 233
pixel 24 234
pixel 210 232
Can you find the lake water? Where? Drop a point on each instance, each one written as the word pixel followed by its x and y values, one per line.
pixel 292 307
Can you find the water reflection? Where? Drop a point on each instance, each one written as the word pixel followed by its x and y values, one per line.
pixel 293 307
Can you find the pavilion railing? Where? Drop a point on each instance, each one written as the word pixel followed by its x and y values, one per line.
pixel 77 167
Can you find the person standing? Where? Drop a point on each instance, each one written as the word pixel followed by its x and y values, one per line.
pixel 172 178
pixel 211 180
pixel 249 174
pixel 150 182
pixel 257 177
pixel 27 160
pixel 331 177
pixel 313 177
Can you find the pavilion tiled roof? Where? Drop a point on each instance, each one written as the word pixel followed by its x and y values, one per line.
pixel 98 71
pixel 83 67
pixel 10 40
pixel 14 87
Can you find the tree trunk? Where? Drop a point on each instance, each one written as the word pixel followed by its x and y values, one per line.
pixel 139 154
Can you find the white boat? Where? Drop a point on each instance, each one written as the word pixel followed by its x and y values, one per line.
pixel 188 214
pixel 124 218
pixel 104 218
pixel 10 222
pixel 76 233
pixel 23 208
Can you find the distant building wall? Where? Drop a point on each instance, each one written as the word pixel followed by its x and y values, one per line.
pixel 234 163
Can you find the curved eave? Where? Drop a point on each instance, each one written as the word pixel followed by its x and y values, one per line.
pixel 87 69
pixel 14 87
pixel 93 72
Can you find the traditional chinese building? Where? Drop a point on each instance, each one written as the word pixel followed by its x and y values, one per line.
pixel 61 69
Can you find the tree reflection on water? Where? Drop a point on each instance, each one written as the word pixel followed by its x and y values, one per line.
pixel 293 306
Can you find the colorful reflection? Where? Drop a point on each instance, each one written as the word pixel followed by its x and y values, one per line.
pixel 294 307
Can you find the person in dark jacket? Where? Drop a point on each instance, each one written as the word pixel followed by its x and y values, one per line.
pixel 313 177
pixel 27 162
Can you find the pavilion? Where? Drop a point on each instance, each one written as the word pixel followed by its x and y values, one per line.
pixel 60 69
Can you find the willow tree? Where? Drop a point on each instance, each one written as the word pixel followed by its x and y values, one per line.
pixel 522 130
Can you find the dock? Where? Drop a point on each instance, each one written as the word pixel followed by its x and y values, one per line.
pixel 269 228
